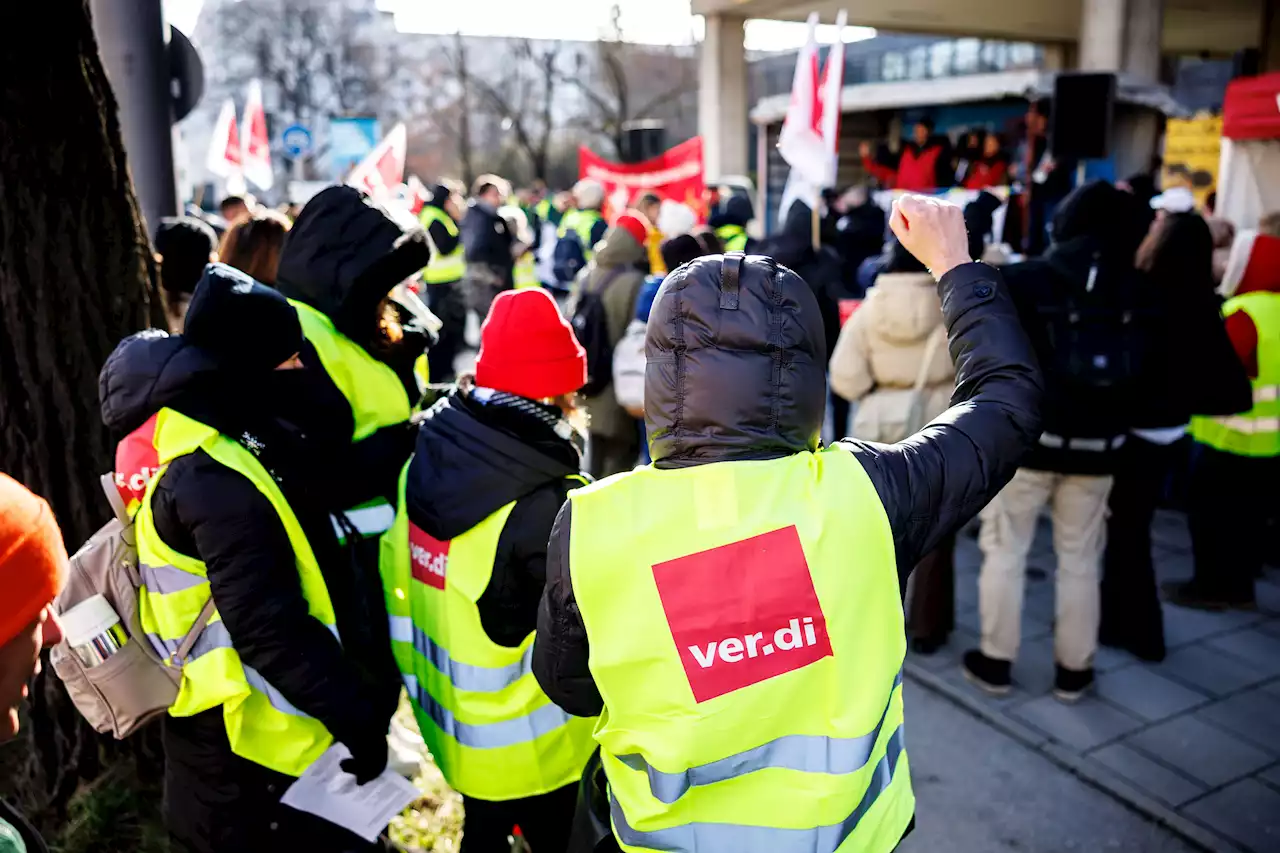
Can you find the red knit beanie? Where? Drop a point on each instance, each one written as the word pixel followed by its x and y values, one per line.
pixel 33 560
pixel 634 224
pixel 527 348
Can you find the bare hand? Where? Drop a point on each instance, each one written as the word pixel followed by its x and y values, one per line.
pixel 933 230
pixel 864 150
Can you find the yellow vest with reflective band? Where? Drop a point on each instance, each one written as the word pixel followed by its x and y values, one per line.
pixel 262 726
pixel 442 269
pixel 581 222
pixel 734 237
pixel 543 210
pixel 376 394
pixel 492 731
pixel 1257 431
pixel 526 273
pixel 747 637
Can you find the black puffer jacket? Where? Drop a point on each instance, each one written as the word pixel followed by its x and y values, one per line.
pixel 476 453
pixel 759 374
pixel 342 257
pixel 215 800
pixel 487 239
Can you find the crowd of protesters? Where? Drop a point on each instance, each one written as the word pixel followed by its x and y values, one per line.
pixel 372 510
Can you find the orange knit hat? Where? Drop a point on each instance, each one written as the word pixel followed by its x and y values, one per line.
pixel 33 560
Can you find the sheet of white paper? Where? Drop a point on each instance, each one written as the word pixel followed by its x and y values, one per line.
pixel 326 790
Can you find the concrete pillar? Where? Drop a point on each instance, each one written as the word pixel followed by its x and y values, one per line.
pixel 1144 27
pixel 722 96
pixel 1055 57
pixel 1102 35
pixel 133 41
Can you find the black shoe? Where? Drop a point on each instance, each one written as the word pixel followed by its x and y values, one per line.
pixel 989 674
pixel 927 645
pixel 1188 594
pixel 1069 685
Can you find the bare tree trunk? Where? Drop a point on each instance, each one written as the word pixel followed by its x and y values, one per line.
pixel 76 276
pixel 464 117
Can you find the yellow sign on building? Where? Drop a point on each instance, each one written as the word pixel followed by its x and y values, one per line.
pixel 1191 150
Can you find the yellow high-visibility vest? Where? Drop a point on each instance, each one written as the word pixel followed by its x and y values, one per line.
pixel 492 731
pixel 746 635
pixel 526 273
pixel 1257 431
pixel 262 725
pixel 734 237
pixel 581 222
pixel 442 269
pixel 377 396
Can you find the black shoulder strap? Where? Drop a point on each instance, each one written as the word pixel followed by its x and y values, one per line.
pixel 729 270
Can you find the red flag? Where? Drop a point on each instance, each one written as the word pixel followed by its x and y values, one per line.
pixel 257 145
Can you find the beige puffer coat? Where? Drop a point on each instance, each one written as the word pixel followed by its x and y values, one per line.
pixel 882 344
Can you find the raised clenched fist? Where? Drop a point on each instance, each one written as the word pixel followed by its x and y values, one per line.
pixel 933 230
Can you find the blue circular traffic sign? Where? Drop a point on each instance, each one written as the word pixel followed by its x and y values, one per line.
pixel 297 140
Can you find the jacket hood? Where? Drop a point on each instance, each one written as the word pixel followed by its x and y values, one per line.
pixel 344 254
pixel 1114 221
pixel 904 307
pixel 466 467
pixel 147 372
pixel 619 249
pixel 733 373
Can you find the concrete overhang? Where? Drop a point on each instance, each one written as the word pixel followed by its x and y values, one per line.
pixel 1220 27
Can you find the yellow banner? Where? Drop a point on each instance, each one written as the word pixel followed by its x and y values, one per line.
pixel 1191 151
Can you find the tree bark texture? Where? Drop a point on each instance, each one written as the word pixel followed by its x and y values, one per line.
pixel 76 276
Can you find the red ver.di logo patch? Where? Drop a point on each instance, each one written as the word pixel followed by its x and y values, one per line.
pixel 743 613
pixel 429 556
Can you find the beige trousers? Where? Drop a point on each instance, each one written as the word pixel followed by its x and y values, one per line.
pixel 1079 506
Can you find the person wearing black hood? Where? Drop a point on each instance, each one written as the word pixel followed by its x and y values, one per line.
pixel 251 453
pixel 340 262
pixel 443 276
pixel 733 613
pixel 1089 314
pixel 464 569
pixel 729 220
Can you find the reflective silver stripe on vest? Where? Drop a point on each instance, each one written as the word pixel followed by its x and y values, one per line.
pixel 275 697
pixel 1266 394
pixel 541 721
pixel 701 837
pixel 1249 426
pixel 463 676
pixel 807 753
pixel 162 580
pixel 367 520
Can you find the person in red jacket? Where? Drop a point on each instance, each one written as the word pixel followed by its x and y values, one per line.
pixel 991 169
pixel 924 163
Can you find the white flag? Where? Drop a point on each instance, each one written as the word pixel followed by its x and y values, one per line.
pixel 382 169
pixel 224 146
pixel 257 144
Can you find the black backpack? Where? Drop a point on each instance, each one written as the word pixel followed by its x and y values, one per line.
pixel 568 257
pixel 591 326
pixel 1098 332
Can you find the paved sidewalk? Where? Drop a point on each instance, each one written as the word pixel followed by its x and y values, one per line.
pixel 1193 742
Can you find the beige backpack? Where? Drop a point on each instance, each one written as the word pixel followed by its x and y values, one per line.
pixel 134 685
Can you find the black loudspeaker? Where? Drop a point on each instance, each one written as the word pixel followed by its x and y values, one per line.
pixel 1246 63
pixel 1083 106
pixel 643 140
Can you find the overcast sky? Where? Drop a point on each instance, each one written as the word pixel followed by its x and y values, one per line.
pixel 650 21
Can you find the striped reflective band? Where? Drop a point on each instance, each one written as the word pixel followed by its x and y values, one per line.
pixel 1241 423
pixel 365 520
pixel 540 721
pixel 740 838
pixel 806 753
pixel 463 676
pixel 163 580
pixel 1266 393
pixel 275 697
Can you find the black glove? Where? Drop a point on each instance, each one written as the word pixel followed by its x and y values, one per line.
pixel 368 757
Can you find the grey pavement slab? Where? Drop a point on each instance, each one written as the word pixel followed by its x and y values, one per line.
pixel 979 790
pixel 1146 694
pixel 1193 741
pixel 1253 715
pixel 1210 669
pixel 1084 725
pixel 1245 812
pixel 1149 775
pixel 1200 750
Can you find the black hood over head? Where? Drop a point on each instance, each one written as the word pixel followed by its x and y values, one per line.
pixel 736 365
pixel 344 254
pixel 145 373
pixel 471 461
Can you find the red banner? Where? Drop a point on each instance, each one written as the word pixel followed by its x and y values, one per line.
pixel 676 174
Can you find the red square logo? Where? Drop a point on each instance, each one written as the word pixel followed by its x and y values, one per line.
pixel 429 556
pixel 743 613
